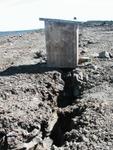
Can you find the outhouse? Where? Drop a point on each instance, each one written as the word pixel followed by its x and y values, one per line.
pixel 61 42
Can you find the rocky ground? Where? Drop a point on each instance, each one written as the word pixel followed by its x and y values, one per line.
pixel 43 108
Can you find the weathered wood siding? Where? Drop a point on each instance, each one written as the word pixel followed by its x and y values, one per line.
pixel 61 44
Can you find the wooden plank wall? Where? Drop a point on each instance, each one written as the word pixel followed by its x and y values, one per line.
pixel 61 44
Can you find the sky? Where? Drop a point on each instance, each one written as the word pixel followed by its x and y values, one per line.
pixel 25 14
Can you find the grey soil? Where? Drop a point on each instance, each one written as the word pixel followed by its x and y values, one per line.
pixel 45 108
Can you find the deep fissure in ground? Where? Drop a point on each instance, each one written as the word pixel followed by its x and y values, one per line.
pixel 66 98
pixel 72 88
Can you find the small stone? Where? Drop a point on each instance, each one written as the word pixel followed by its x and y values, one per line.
pixel 71 143
pixel 104 54
pixel 109 143
pixel 78 75
pixel 92 66
pixel 47 142
pixel 84 59
pixel 67 143
pixel 85 139
pixel 83 52
pixel 54 147
pixel 107 147
pixel 95 55
pixel 95 137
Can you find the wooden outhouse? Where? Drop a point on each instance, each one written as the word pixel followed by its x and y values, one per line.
pixel 61 43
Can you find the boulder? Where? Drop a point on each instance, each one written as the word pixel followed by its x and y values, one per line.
pixel 104 54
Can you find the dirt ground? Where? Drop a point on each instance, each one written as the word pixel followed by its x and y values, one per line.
pixel 44 108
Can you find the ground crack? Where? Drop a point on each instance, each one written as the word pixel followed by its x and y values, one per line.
pixel 66 98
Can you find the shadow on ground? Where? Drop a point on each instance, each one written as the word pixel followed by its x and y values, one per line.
pixel 27 69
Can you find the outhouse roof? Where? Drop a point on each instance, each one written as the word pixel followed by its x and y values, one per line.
pixel 58 20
